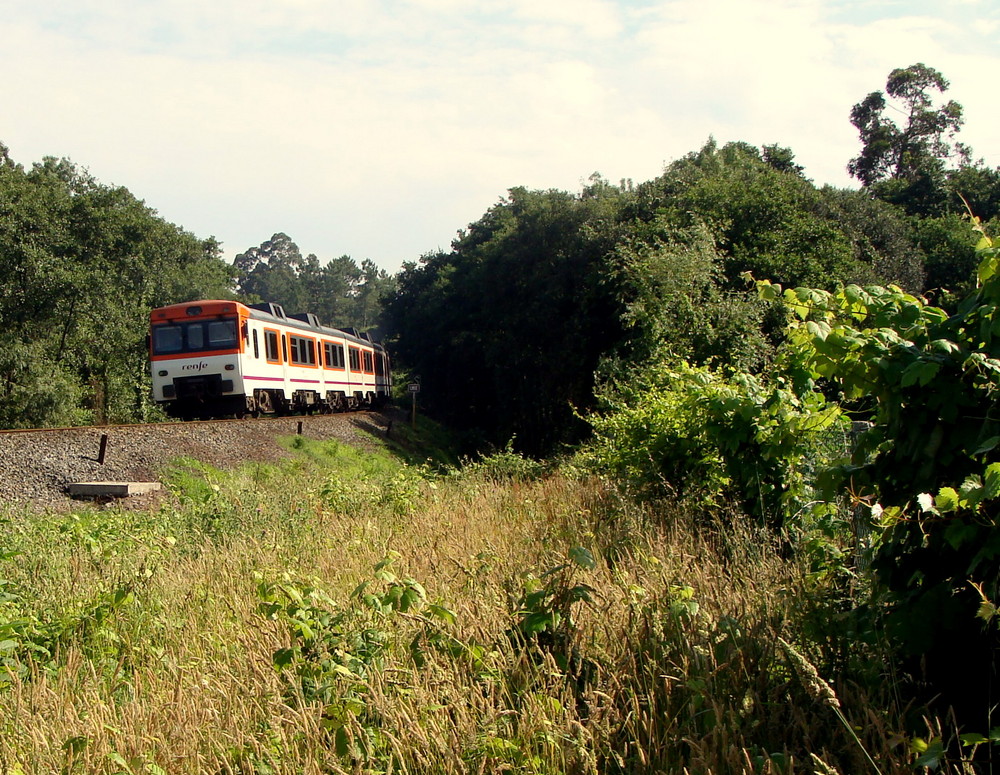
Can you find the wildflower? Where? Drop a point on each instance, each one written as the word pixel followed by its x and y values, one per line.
pixel 820 767
pixel 818 688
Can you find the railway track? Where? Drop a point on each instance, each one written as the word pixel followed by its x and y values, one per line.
pixel 106 428
pixel 38 465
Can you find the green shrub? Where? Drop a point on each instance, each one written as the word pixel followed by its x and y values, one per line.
pixel 692 433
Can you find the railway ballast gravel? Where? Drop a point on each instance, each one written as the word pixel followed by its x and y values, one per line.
pixel 36 467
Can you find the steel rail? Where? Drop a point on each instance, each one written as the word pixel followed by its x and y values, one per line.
pixel 173 423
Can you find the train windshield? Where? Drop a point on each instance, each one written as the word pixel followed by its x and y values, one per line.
pixel 195 336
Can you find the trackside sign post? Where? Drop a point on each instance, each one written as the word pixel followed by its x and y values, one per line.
pixel 414 388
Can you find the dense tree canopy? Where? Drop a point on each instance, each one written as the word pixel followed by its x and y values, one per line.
pixel 506 330
pixel 81 265
pixel 340 293
pixel 770 220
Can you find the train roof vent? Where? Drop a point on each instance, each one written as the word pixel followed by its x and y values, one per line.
pixel 306 317
pixel 270 309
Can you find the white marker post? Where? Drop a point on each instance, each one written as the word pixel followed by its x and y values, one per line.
pixel 414 388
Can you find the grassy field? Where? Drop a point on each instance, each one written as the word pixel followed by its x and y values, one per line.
pixel 347 612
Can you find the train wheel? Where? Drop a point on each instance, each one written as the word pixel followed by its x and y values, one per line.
pixel 264 403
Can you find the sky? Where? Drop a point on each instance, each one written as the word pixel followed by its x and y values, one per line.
pixel 381 128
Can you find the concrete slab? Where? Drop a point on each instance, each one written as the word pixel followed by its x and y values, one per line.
pixel 111 489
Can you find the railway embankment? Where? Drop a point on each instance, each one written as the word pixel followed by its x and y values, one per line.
pixel 37 467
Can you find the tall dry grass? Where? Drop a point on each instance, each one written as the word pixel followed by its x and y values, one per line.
pixel 146 643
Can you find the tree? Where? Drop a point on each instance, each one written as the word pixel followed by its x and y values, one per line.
pixel 882 239
pixel 339 293
pixel 507 329
pixel 334 291
pixel 270 272
pixel 679 305
pixel 975 188
pixel 81 266
pixel 371 285
pixel 782 159
pixel 906 162
pixel 764 216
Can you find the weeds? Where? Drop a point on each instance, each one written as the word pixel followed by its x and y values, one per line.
pixel 344 613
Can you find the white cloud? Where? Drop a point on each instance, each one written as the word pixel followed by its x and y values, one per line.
pixel 380 127
pixel 595 19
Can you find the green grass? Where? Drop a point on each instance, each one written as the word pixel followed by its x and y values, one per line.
pixel 346 612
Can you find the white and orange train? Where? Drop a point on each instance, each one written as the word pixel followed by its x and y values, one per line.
pixel 215 358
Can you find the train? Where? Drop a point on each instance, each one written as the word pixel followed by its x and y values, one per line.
pixel 216 358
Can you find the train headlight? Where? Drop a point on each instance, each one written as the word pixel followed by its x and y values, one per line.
pixel 230 367
pixel 161 373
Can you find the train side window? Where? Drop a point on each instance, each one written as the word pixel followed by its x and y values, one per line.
pixel 284 348
pixel 379 366
pixel 271 346
pixel 355 356
pixel 334 355
pixel 303 350
pixel 256 347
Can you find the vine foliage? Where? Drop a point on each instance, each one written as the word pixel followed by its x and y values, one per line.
pixel 929 466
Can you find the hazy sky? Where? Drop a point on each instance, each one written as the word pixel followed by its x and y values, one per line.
pixel 379 128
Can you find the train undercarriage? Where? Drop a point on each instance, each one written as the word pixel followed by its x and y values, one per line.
pixel 206 401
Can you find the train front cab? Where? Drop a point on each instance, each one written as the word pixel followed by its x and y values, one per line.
pixel 195 353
